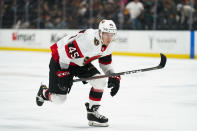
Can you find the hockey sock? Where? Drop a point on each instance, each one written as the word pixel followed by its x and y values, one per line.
pixel 95 96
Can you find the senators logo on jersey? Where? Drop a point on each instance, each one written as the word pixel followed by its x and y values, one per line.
pixel 89 59
pixel 96 42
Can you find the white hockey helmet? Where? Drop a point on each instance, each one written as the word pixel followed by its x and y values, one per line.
pixel 107 26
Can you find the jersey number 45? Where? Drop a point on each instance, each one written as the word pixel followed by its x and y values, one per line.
pixel 73 51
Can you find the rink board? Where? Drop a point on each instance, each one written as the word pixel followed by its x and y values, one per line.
pixel 175 44
pixel 195 46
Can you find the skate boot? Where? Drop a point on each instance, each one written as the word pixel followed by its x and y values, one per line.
pixel 40 98
pixel 95 119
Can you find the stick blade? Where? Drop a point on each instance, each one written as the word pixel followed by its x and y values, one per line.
pixel 163 61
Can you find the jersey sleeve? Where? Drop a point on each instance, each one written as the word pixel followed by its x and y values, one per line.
pixel 72 50
pixel 68 49
pixel 105 64
pixel 85 42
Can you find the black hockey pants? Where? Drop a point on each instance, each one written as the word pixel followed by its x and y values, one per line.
pixel 79 71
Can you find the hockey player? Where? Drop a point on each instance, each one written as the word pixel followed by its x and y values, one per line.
pixel 72 56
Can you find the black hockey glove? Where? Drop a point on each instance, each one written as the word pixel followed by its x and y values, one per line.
pixel 65 80
pixel 114 84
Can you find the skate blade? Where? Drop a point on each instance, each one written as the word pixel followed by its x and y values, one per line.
pixel 96 124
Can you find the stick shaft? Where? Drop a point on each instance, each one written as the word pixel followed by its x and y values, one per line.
pixel 160 66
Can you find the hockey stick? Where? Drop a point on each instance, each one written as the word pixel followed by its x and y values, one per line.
pixel 160 66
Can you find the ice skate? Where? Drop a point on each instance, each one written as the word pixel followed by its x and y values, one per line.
pixel 95 119
pixel 40 98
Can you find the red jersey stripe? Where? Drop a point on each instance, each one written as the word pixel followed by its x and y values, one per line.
pixel 92 58
pixel 77 47
pixel 67 52
pixel 54 51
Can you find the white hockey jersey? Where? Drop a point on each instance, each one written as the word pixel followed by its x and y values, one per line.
pixel 81 49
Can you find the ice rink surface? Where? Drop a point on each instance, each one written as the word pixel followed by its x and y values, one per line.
pixel 160 100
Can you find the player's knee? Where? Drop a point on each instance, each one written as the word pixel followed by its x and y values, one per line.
pixel 99 83
pixel 58 99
